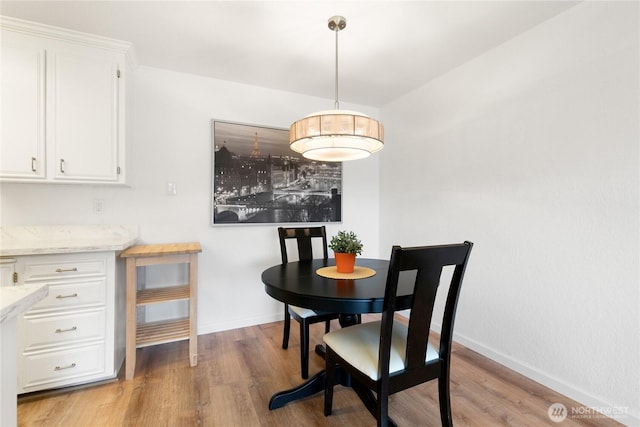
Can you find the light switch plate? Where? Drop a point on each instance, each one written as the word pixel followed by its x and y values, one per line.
pixel 98 206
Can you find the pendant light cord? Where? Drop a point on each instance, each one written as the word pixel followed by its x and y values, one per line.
pixel 337 104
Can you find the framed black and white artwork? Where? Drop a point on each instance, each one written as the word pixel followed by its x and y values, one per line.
pixel 258 179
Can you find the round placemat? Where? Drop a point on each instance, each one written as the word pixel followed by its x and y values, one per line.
pixel 358 273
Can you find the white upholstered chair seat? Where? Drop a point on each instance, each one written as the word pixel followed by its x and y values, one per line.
pixel 303 312
pixel 359 346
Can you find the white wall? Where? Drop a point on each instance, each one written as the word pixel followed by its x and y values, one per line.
pixel 172 142
pixel 531 152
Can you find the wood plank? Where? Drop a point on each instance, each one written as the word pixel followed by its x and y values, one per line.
pixel 130 360
pixel 143 261
pixel 162 294
pixel 161 332
pixel 193 310
pixel 161 249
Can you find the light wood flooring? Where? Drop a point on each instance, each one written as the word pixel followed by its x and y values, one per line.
pixel 239 370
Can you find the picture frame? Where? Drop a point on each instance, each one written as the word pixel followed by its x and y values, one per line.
pixel 257 179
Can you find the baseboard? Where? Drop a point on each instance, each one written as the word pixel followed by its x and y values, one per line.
pixel 208 328
pixel 620 414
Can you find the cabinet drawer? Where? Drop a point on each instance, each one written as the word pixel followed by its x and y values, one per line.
pixel 47 331
pixel 57 368
pixel 64 269
pixel 69 295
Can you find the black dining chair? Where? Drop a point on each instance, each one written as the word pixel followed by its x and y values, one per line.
pixel 387 356
pixel 304 316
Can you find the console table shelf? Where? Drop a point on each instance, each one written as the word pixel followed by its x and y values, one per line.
pixel 158 295
pixel 144 334
pixel 153 333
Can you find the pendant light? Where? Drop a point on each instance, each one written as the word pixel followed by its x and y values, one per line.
pixel 336 135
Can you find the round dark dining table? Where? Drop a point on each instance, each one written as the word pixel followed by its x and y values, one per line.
pixel 297 283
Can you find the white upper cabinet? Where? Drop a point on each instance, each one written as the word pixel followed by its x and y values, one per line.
pixel 64 105
pixel 22 94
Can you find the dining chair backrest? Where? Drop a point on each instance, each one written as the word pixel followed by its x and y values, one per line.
pixel 405 356
pixel 303 236
pixel 428 263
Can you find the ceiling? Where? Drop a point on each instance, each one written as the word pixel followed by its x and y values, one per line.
pixel 387 49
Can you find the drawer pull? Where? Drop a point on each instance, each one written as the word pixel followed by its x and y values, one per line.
pixel 60 368
pixel 64 270
pixel 59 331
pixel 73 295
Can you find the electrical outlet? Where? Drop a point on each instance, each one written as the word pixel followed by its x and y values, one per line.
pixel 98 206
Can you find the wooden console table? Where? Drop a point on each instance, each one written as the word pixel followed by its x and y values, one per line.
pixel 143 334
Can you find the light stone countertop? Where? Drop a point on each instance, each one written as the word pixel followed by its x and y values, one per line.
pixel 15 300
pixel 56 239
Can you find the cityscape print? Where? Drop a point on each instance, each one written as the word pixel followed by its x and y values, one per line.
pixel 257 178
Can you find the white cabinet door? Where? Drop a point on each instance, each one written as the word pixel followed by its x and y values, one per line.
pixel 23 108
pixel 83 117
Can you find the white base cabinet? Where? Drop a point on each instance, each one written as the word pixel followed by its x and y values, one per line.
pixel 64 105
pixel 77 333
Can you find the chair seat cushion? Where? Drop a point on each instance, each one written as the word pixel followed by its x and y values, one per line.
pixel 303 312
pixel 359 345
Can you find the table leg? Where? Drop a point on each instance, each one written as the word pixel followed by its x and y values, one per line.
pixel 346 320
pixel 320 350
pixel 316 383
pixel 131 282
pixel 313 385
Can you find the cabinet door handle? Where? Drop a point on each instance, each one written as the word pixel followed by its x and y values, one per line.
pixel 60 368
pixel 59 331
pixel 67 296
pixel 61 165
pixel 33 164
pixel 64 270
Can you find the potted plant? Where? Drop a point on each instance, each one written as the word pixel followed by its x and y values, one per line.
pixel 345 246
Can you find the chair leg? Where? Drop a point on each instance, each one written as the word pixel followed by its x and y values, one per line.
pixel 304 349
pixel 287 327
pixel 329 370
pixel 445 400
pixel 327 326
pixel 382 406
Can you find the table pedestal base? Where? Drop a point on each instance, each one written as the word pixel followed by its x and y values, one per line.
pixel 313 385
pixel 316 384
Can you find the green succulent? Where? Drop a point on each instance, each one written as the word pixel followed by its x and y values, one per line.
pixel 346 242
